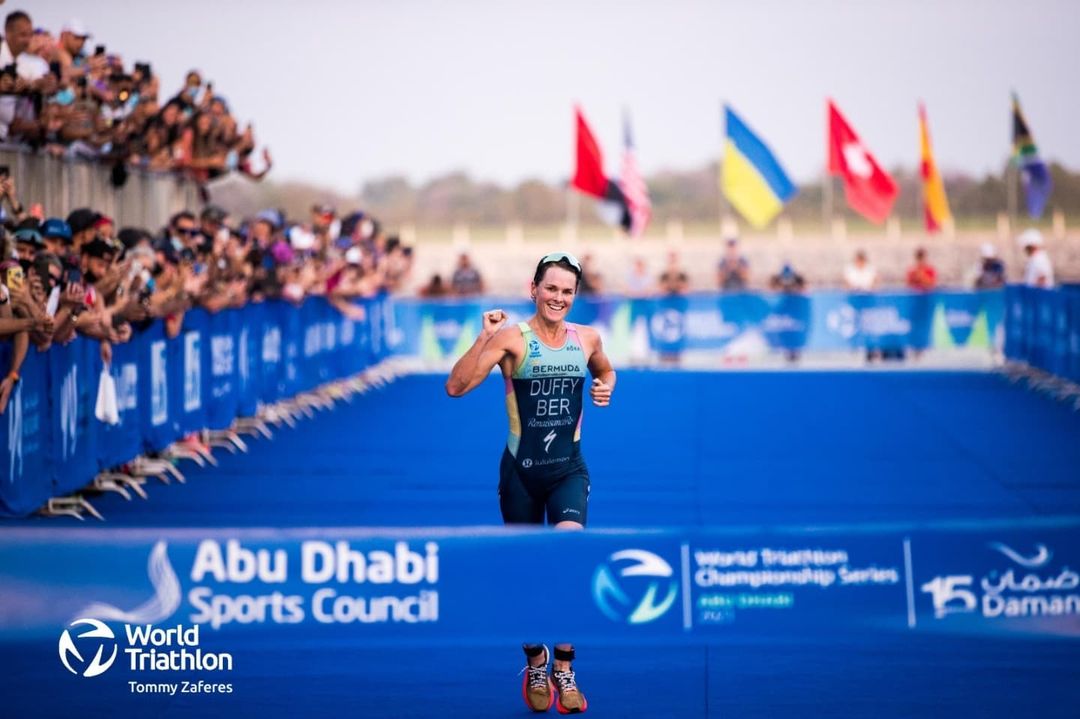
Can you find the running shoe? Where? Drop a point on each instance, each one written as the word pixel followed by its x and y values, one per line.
pixel 536 688
pixel 571 700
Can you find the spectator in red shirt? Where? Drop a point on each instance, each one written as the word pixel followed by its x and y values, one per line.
pixel 922 276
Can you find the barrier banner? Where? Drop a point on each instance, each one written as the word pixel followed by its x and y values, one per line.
pixel 271 369
pixel 187 382
pixel 154 401
pixel 745 324
pixel 1043 329
pixel 221 362
pixel 26 464
pixel 219 367
pixel 73 371
pixel 999 578
pixel 247 324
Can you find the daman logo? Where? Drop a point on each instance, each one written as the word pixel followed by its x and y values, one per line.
pixel 104 637
pixel 626 587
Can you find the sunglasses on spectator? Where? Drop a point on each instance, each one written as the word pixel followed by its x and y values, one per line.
pixel 558 256
pixel 189 231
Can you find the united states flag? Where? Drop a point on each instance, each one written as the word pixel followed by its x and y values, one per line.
pixel 633 187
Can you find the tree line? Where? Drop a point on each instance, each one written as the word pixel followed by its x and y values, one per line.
pixel 690 196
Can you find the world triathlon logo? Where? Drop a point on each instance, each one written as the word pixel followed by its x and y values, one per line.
pixel 98 639
pixel 628 586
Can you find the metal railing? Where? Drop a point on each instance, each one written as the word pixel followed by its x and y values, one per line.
pixel 146 199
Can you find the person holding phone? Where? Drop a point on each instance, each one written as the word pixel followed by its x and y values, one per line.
pixel 544 362
pixel 73 37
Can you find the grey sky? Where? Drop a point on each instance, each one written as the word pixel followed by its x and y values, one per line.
pixel 347 91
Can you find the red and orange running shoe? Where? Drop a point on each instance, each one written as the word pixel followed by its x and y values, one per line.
pixel 537 688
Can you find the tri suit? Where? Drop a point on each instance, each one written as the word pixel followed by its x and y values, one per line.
pixel 542 469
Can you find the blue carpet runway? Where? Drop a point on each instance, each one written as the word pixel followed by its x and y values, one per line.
pixel 675 449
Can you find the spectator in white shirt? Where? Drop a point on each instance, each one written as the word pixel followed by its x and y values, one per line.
pixel 31 75
pixel 1038 272
pixel 860 275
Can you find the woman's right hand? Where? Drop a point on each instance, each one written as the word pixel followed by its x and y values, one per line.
pixel 493 322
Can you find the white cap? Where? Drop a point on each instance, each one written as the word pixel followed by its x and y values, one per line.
pixel 987 250
pixel 75 27
pixel 1030 238
pixel 354 255
pixel 300 238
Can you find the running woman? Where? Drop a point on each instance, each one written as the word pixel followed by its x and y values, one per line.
pixel 542 473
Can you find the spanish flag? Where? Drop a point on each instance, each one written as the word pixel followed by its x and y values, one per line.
pixel 935 204
pixel 751 178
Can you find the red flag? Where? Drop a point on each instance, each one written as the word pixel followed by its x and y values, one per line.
pixel 870 191
pixel 589 173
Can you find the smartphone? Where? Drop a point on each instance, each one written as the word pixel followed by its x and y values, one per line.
pixel 56 69
pixel 5 172
pixel 54 302
pixel 73 276
pixel 99 50
pixel 15 277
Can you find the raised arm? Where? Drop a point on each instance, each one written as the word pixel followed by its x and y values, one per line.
pixel 603 373
pixel 493 344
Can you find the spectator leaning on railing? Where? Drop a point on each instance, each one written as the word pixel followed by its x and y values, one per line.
pixel 107 287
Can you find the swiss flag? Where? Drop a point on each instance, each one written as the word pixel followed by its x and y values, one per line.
pixel 870 191
pixel 589 170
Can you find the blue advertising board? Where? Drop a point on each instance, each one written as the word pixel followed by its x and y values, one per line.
pixel 693 584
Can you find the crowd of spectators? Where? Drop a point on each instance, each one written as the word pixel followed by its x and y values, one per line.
pixel 66 99
pixel 82 275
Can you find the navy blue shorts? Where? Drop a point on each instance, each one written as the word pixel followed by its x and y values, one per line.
pixel 525 500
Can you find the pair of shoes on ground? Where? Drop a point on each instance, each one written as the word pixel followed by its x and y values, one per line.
pixel 541 689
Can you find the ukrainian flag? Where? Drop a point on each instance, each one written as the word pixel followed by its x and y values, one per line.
pixel 751 178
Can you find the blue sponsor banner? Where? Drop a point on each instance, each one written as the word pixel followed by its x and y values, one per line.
pixel 26 462
pixel 187 357
pixel 1043 329
pixel 74 371
pixel 217 368
pixel 695 585
pixel 223 353
pixel 738 323
pixel 156 406
pixel 248 326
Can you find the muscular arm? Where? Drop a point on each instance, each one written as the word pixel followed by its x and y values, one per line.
pixel 493 344
pixel 600 368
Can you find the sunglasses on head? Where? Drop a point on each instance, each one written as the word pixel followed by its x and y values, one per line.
pixel 559 256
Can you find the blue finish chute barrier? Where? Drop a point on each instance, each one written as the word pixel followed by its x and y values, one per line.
pixel 220 367
pixel 744 323
pixel 1043 329
pixel 987 578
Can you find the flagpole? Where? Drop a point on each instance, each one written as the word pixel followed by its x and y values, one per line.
pixel 721 203
pixel 826 201
pixel 1012 172
pixel 826 182
pixel 1012 199
pixel 573 210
